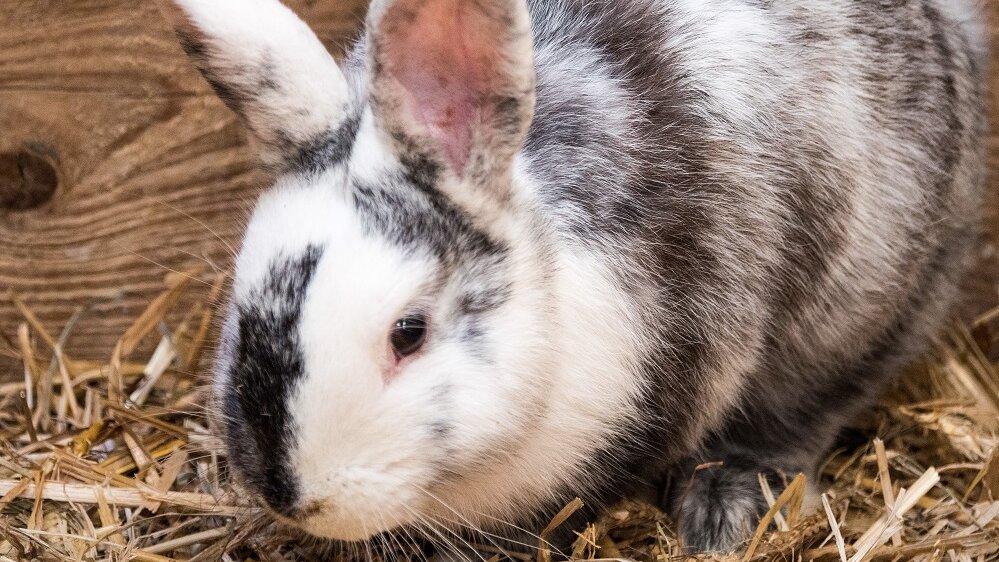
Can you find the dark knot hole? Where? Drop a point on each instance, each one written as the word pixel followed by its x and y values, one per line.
pixel 27 180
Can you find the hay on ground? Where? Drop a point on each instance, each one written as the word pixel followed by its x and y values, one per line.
pixel 115 460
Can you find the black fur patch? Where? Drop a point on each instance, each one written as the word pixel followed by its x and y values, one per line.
pixel 328 150
pixel 198 51
pixel 411 212
pixel 191 44
pixel 483 300
pixel 267 365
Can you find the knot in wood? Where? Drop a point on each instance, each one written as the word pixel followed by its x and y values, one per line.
pixel 27 180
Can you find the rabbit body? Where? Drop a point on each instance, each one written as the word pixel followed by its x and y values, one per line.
pixel 789 191
pixel 643 235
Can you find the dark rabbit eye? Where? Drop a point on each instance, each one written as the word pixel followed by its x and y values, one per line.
pixel 408 335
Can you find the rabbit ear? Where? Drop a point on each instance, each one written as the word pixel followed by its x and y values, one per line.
pixel 455 78
pixel 268 67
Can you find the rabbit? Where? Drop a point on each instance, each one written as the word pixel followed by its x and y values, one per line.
pixel 523 251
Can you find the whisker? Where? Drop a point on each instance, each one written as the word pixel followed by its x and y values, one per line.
pixel 397 550
pixel 488 535
pixel 160 265
pixel 476 528
pixel 213 232
pixel 413 541
pixel 429 524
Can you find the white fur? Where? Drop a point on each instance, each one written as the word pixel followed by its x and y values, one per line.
pixel 361 453
pixel 584 398
pixel 729 43
pixel 358 436
pixel 252 40
pixel 304 210
pixel 370 158
pixel 968 14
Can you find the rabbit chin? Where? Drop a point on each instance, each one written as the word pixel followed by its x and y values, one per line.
pixel 346 524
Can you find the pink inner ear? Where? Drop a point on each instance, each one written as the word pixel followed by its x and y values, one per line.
pixel 445 54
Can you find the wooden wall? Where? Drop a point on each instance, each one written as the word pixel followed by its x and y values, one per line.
pixel 118 164
pixel 150 172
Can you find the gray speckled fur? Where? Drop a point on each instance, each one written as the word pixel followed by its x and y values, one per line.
pixel 788 190
pixel 755 236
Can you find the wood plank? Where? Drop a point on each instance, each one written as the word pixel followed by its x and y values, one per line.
pixel 122 47
pixel 154 174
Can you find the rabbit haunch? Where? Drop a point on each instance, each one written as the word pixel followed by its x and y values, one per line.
pixel 645 234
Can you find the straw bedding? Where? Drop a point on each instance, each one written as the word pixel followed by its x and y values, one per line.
pixel 115 460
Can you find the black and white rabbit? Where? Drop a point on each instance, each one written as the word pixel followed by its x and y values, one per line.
pixel 523 251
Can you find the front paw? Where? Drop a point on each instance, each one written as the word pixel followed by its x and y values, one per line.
pixel 719 510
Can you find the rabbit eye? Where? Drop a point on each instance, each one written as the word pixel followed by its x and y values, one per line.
pixel 408 335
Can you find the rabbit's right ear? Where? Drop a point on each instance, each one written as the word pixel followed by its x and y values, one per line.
pixel 268 67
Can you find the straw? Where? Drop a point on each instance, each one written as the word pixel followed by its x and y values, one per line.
pixel 115 459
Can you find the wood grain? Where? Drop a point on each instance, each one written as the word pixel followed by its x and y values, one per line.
pixel 154 174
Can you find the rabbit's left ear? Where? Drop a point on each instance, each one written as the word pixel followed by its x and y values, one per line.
pixel 454 79
pixel 268 67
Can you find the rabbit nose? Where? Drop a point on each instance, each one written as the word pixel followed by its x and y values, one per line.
pixel 309 509
pixel 279 491
pixel 281 507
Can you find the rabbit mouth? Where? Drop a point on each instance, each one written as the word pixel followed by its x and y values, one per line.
pixel 324 520
pixel 353 503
